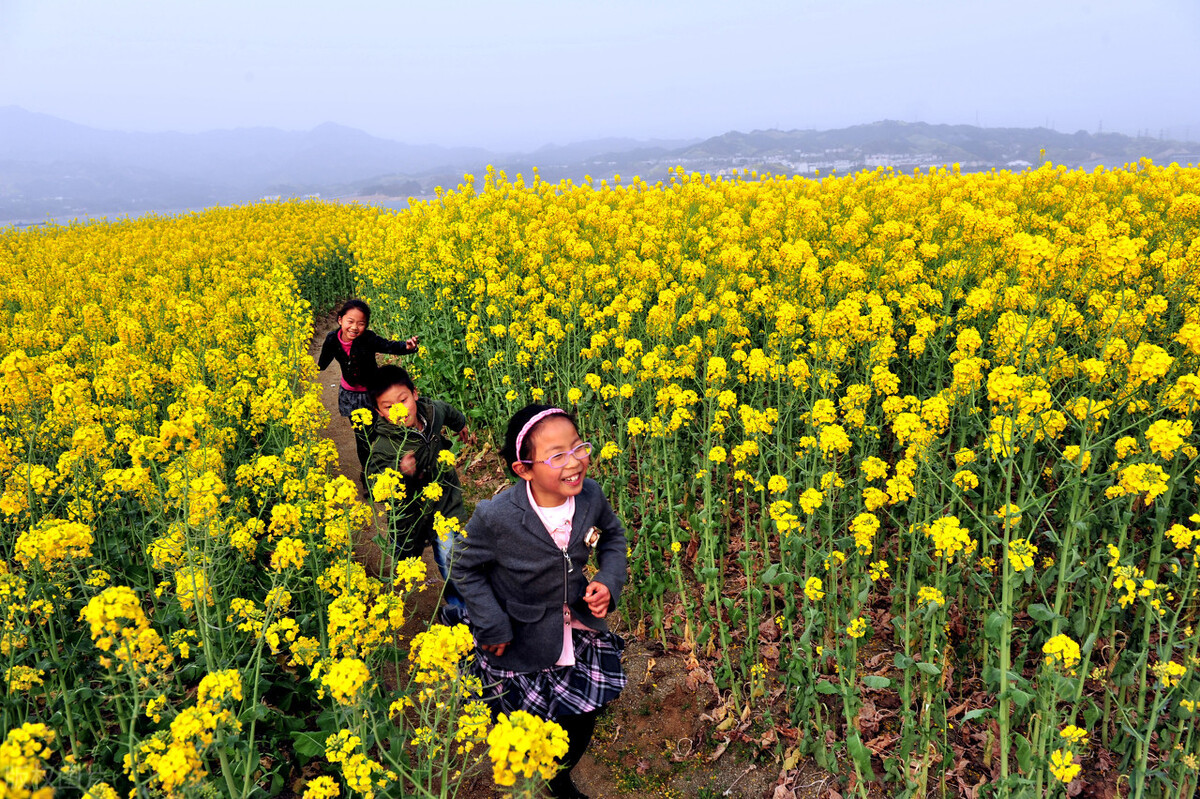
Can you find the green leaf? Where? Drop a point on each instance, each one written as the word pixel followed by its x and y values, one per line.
pixel 971 715
pixel 1064 686
pixel 826 687
pixel 1020 698
pixel 777 576
pixel 307 745
pixel 902 661
pixel 994 625
pixel 821 755
pixel 861 755
pixel 876 682
pixel 1024 753
pixel 932 669
pixel 1076 573
pixel 1040 612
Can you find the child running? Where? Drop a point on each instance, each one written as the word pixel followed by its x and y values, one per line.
pixel 538 621
pixel 354 345
pixel 407 437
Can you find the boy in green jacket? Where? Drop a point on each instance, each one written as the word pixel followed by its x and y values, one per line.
pixel 407 438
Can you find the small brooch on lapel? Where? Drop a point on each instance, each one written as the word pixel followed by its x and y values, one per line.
pixel 593 537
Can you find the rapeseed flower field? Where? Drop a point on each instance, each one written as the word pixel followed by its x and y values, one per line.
pixel 917 447
pixel 907 461
pixel 182 614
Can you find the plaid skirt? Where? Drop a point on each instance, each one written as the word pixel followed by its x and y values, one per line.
pixel 350 401
pixel 595 680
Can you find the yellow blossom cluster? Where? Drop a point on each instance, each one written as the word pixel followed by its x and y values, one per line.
pixel 435 654
pixel 1061 650
pixel 523 745
pixel 361 774
pixel 23 762
pixel 174 760
pixel 120 627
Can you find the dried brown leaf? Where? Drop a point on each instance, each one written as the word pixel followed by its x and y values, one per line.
pixel 768 631
pixel 881 743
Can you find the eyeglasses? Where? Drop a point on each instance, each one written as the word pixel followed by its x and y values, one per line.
pixel 559 459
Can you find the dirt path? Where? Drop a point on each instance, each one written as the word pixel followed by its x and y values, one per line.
pixel 652 742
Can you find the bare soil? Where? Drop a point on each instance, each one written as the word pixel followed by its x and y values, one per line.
pixel 660 739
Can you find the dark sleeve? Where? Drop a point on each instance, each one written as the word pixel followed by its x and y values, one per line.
pixel 454 418
pixel 611 551
pixel 470 561
pixel 328 350
pixel 389 347
pixel 385 453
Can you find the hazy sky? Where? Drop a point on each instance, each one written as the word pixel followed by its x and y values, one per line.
pixel 521 74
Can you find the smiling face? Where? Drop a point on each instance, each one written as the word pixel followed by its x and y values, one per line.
pixel 351 324
pixel 552 487
pixel 398 404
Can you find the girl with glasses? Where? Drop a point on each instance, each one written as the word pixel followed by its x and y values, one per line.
pixel 538 621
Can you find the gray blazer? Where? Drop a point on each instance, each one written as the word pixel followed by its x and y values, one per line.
pixel 514 578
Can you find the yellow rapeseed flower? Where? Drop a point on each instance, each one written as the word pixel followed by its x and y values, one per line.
pixel 522 745
pixel 1061 650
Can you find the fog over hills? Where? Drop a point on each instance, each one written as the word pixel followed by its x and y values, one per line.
pixel 50 167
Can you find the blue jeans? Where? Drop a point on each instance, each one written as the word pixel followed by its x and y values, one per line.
pixel 441 556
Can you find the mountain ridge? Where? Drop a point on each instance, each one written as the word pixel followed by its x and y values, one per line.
pixel 51 166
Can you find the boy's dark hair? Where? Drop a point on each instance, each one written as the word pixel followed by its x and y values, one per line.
pixel 387 376
pixel 356 305
pixel 519 419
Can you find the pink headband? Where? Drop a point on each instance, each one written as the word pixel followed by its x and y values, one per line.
pixel 537 417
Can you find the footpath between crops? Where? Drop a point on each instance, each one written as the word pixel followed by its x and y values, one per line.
pixel 660 738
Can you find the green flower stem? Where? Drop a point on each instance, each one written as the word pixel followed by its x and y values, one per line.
pixel 1006 608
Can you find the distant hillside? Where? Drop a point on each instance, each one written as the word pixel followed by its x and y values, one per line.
pixel 48 165
pixel 51 167
pixel 241 157
pixel 891 143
